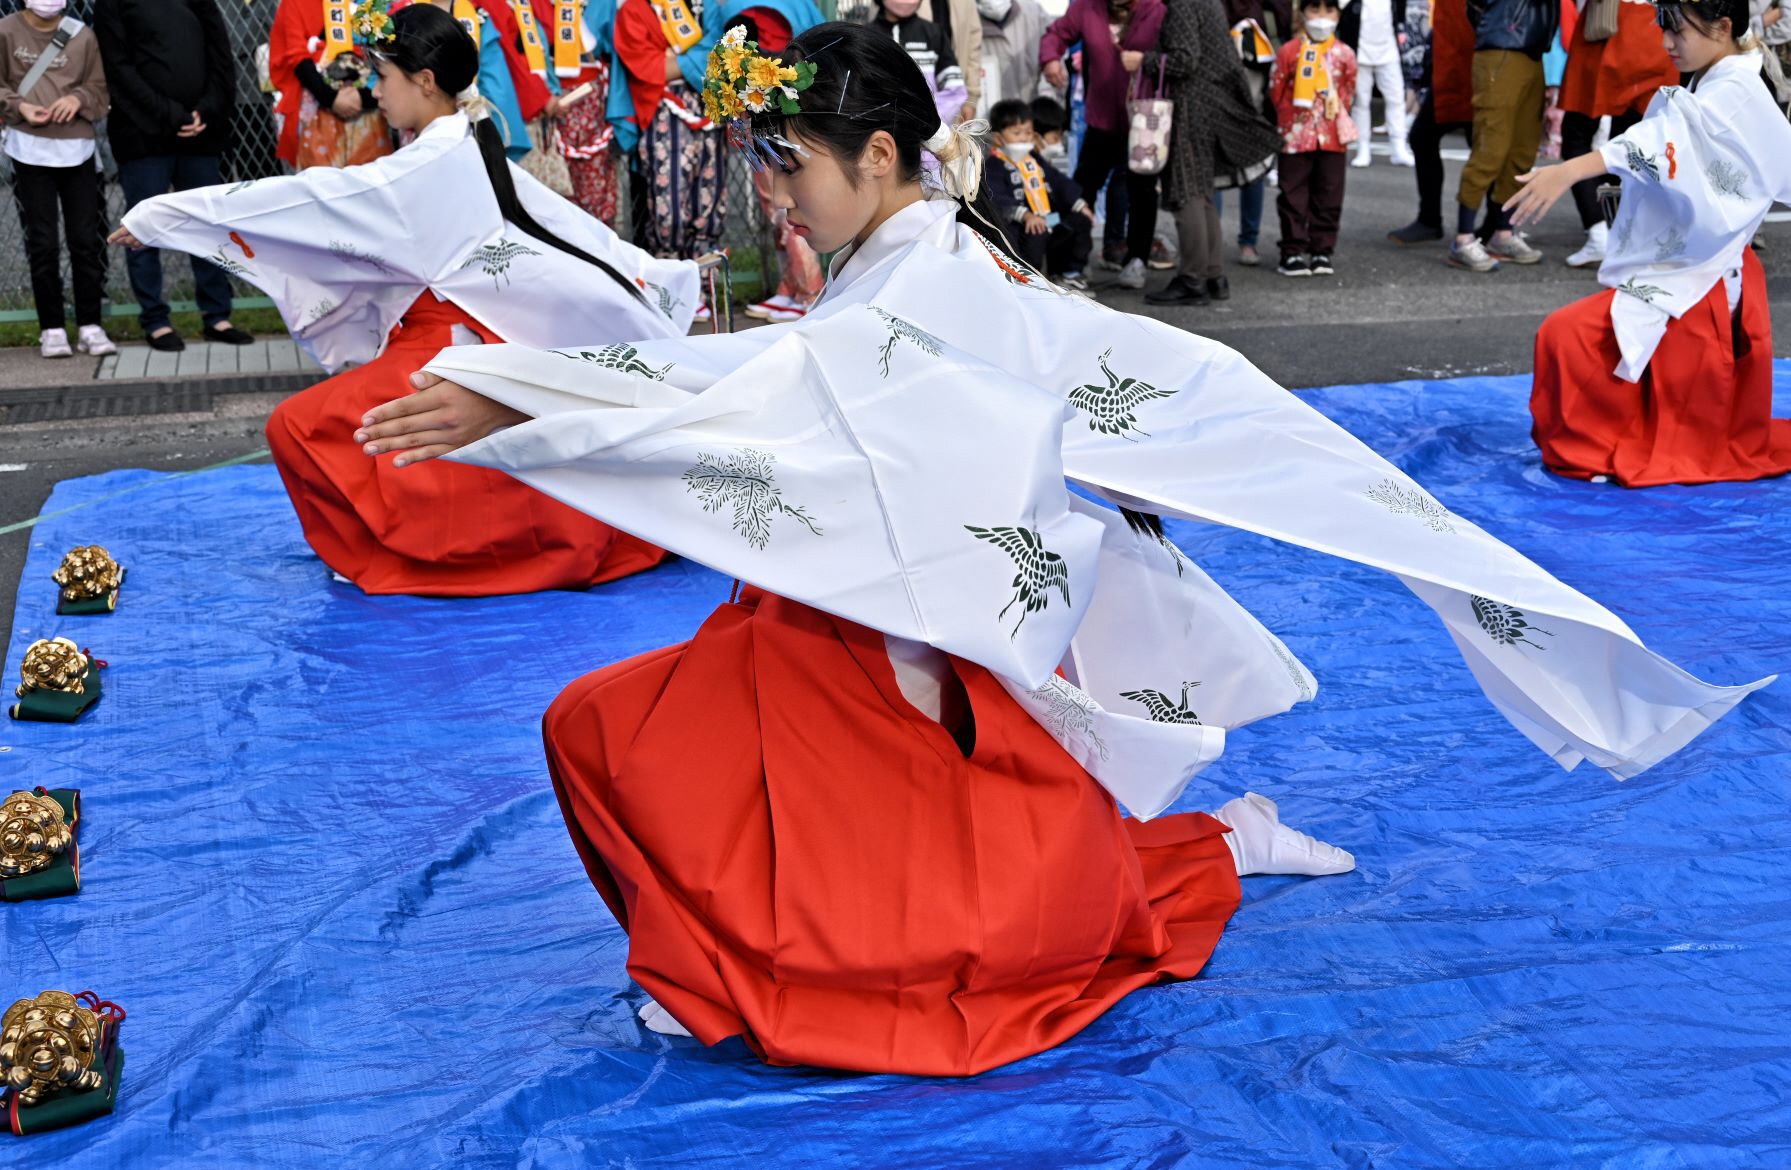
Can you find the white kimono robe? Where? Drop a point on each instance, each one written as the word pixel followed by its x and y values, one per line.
pixel 901 417
pixel 344 252
pixel 1701 171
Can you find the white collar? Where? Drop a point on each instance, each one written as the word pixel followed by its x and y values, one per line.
pixel 899 230
pixel 447 126
pixel 1747 64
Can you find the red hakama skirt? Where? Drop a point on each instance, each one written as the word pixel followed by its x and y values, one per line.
pixel 803 859
pixel 1702 412
pixel 437 528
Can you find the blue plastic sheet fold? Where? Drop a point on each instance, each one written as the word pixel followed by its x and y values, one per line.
pixel 325 873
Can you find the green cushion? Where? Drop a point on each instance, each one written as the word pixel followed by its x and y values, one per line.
pixel 59 706
pixel 66 1109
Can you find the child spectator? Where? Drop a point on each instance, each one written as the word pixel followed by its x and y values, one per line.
pixel 49 138
pixel 1048 125
pixel 1312 87
pixel 929 46
pixel 1028 191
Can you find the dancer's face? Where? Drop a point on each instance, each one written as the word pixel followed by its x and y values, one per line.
pixel 1694 48
pixel 830 202
pixel 409 101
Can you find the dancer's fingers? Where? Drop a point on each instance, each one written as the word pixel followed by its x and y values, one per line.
pixel 419 454
pixel 398 428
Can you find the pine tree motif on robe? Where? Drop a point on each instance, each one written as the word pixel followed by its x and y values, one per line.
pixel 1069 713
pixel 1399 500
pixel 900 330
pixel 745 481
pixel 1727 178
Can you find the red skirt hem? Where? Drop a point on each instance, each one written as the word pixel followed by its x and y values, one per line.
pixel 802 859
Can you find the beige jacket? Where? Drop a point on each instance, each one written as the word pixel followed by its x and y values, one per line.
pixel 76 71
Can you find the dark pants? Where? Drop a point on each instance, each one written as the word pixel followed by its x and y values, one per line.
pixel 1113 223
pixel 1311 201
pixel 1427 150
pixel 1577 132
pixel 1199 240
pixel 145 178
pixel 1249 211
pixel 1103 154
pixel 1064 248
pixel 42 192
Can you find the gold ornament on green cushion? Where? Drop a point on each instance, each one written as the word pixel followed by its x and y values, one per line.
pixel 90 579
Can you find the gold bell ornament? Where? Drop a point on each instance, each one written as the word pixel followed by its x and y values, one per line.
pixel 90 579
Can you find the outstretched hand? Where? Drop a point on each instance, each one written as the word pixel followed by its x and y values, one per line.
pixel 438 416
pixel 123 236
pixel 1543 187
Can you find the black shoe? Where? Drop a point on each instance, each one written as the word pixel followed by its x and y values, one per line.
pixel 1295 266
pixel 1321 264
pixel 168 342
pixel 229 335
pixel 1416 232
pixel 1179 291
pixel 1218 288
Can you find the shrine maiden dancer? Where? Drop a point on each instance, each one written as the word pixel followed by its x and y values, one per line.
pixel 1666 376
pixel 377 267
pixel 858 819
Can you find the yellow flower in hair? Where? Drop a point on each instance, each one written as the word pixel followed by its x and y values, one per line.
pixel 764 72
pixel 732 58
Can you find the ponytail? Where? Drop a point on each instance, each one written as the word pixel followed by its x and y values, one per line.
pixel 503 185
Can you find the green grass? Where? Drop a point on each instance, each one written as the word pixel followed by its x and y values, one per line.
pixel 258 321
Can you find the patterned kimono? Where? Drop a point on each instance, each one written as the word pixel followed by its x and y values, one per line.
pixel 868 817
pixel 1666 377
pixel 681 162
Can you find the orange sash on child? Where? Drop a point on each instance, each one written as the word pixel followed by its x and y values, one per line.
pixel 682 30
pixel 1032 177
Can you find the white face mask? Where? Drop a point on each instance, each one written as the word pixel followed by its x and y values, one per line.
pixel 995 10
pixel 1320 30
pixel 46 9
pixel 1016 149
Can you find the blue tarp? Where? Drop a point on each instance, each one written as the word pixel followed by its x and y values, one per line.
pixel 325 873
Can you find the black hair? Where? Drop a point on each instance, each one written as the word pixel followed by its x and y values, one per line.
pixel 1305 4
pixel 425 37
pixel 1009 112
pixel 865 82
pixel 1047 116
pixel 1674 15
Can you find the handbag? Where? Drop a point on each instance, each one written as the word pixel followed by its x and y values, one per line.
pixel 544 161
pixel 1601 20
pixel 1149 120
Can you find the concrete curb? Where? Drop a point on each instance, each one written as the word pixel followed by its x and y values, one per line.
pixel 150 396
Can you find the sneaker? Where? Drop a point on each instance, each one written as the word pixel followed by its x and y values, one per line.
pixel 1131 276
pixel 1295 266
pixel 1416 232
pixel 1248 256
pixel 1321 264
pixel 1363 155
pixel 93 341
pixel 1513 247
pixel 1591 255
pixel 703 315
pixel 1161 258
pixel 1072 282
pixel 53 343
pixel 1471 256
pixel 1402 155
pixel 1111 258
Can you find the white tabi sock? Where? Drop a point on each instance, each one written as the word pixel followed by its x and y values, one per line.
pixel 1260 843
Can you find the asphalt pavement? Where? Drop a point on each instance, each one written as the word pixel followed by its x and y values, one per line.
pixel 1389 314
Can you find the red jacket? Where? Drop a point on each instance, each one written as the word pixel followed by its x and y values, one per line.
pixel 1086 21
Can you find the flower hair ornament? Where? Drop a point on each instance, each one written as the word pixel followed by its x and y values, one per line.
pixel 741 82
pixel 372 23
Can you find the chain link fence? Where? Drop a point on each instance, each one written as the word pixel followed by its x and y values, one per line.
pixel 251 156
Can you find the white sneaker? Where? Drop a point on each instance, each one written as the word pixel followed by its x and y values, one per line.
pixel 1131 276
pixel 1514 247
pixel 93 341
pixel 1262 844
pixel 657 1019
pixel 1591 255
pixel 1402 154
pixel 1363 155
pixel 53 343
pixel 1472 255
